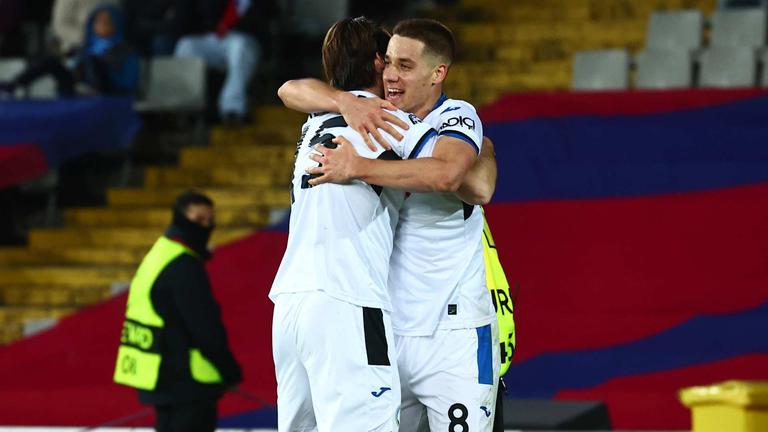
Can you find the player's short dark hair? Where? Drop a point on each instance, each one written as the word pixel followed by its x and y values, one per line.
pixel 349 51
pixel 436 37
pixel 190 197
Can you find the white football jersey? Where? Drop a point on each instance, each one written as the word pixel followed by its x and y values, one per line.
pixel 437 272
pixel 340 236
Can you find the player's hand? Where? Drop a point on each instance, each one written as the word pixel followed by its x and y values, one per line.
pixel 339 165
pixel 368 115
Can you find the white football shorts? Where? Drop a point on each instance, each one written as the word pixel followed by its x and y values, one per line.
pixel 449 380
pixel 335 365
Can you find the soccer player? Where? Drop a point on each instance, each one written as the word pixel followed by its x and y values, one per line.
pixel 443 319
pixel 332 342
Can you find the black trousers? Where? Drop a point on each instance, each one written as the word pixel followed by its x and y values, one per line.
pixel 49 66
pixel 498 418
pixel 198 416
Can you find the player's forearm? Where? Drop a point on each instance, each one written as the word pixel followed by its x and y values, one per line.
pixel 417 175
pixel 479 183
pixel 310 95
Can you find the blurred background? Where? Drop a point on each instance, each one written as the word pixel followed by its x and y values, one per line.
pixel 631 212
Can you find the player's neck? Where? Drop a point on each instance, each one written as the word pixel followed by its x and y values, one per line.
pixel 428 105
pixel 377 88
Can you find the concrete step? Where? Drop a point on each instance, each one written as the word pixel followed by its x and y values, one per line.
pixel 118 237
pixel 72 255
pixel 160 217
pixel 222 197
pixel 277 134
pixel 266 115
pixel 236 176
pixel 18 314
pixel 14 318
pixel 46 295
pixel 10 332
pixel 58 275
pixel 255 157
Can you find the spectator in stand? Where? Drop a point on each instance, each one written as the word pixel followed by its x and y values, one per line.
pixel 150 26
pixel 106 64
pixel 69 19
pixel 223 34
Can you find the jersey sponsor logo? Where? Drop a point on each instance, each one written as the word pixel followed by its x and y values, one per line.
pixel 459 121
pixel 381 391
pixel 486 411
pixel 450 109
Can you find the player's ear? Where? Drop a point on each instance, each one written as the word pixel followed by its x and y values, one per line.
pixel 378 64
pixel 439 74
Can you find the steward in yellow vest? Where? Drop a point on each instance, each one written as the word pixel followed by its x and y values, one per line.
pixel 173 346
pixel 497 283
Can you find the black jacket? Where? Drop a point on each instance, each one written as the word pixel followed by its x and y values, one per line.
pixel 202 16
pixel 182 296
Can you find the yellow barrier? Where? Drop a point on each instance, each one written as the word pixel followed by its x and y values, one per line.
pixel 733 406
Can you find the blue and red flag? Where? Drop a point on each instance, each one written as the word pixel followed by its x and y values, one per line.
pixel 39 135
pixel 634 227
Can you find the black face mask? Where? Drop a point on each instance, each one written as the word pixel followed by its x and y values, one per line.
pixel 193 235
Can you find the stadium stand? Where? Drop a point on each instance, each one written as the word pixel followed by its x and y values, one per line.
pixel 632 222
pixel 244 170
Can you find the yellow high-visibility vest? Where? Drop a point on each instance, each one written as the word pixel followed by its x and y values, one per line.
pixel 139 356
pixel 496 280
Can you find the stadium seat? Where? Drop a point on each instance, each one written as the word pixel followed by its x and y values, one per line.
pixel 10 67
pixel 739 27
pixel 728 67
pixel 174 84
pixel 681 30
pixel 43 88
pixel 663 69
pixel 601 70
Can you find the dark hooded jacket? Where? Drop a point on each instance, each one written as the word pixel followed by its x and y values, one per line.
pixel 109 65
pixel 182 296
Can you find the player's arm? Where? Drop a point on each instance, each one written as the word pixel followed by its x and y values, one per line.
pixel 443 171
pixel 365 115
pixel 479 184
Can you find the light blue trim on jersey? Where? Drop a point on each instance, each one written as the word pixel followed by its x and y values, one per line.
pixel 463 137
pixel 484 355
pixel 420 145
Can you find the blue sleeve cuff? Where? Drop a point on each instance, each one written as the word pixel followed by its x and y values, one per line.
pixel 463 137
